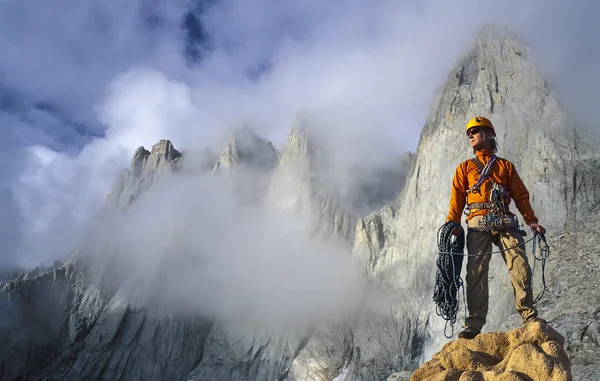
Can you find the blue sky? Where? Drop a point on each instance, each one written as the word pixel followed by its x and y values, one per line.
pixel 82 84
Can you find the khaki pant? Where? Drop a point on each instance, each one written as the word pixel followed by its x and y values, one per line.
pixel 479 242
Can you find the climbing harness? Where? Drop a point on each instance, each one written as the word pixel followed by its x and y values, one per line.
pixel 498 219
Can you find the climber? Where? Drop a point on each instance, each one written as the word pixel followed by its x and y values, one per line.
pixel 489 220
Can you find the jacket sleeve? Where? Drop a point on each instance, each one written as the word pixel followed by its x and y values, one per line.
pixel 520 194
pixel 458 195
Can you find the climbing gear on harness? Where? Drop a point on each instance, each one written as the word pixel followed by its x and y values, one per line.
pixel 447 277
pixel 497 223
pixel 480 121
pixel 481 205
pixel 498 219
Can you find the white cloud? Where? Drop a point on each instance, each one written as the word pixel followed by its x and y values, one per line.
pixel 68 52
pixel 191 245
pixel 144 106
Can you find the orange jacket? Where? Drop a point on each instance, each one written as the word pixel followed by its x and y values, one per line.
pixel 502 172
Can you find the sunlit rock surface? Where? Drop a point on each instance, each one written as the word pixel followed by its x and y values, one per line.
pixel 532 352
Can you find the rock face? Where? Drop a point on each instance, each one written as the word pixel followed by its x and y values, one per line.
pixel 532 352
pixel 400 376
pixel 300 185
pixel 69 324
pixel 31 337
pixel 374 233
pixel 247 161
pixel 60 326
pixel 240 353
pixel 246 148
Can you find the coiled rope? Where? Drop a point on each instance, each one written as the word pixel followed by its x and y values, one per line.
pixel 447 277
pixel 544 253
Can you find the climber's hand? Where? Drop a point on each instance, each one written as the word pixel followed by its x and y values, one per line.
pixel 457 231
pixel 536 228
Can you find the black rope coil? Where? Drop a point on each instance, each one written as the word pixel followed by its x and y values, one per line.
pixel 447 278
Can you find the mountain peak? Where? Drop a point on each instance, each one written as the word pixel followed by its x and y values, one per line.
pixel 165 149
pixel 145 168
pixel 246 147
pixel 301 183
pixel 297 142
pixel 138 160
pixel 497 78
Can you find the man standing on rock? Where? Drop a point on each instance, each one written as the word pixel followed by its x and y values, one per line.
pixel 486 185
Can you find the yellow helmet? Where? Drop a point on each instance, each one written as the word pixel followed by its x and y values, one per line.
pixel 480 121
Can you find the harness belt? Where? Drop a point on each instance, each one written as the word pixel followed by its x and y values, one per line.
pixel 481 205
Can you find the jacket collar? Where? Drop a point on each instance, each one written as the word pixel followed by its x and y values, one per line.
pixel 484 155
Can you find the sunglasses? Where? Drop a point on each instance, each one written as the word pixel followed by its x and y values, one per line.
pixel 474 131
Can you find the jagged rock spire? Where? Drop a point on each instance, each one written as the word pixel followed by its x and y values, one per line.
pixel 145 168
pixel 247 161
pixel 247 148
pixel 299 184
pixel 290 186
pixel 137 162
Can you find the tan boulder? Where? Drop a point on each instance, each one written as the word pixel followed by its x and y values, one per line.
pixel 533 352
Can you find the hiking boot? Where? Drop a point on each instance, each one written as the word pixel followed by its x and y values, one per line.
pixel 536 320
pixel 468 333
